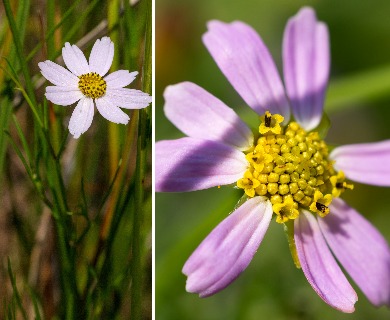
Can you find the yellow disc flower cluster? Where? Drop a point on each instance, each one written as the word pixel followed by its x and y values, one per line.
pixel 92 85
pixel 290 166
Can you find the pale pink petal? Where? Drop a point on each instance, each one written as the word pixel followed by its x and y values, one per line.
pixel 74 59
pixel 58 75
pixel 101 56
pixel 366 162
pixel 81 118
pixel 190 164
pixel 63 96
pixel 129 98
pixel 320 267
pixel 120 79
pixel 228 249
pixel 199 114
pixel 360 248
pixel 306 61
pixel 110 111
pixel 246 62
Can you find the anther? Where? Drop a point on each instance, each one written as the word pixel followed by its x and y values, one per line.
pixel 321 207
pixel 340 185
pixel 267 119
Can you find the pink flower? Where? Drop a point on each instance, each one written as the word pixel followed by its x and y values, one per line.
pixel 220 150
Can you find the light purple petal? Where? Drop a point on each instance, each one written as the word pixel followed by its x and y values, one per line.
pixel 63 96
pixel 58 75
pixel 74 59
pixel 120 78
pixel 199 114
pixel 101 56
pixel 228 249
pixel 367 162
pixel 247 64
pixel 189 164
pixel 320 267
pixel 81 118
pixel 361 250
pixel 306 61
pixel 129 98
pixel 110 111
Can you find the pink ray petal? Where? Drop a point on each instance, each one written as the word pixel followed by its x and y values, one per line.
pixel 366 162
pixel 361 250
pixel 199 114
pixel 306 61
pixel 246 62
pixel 228 249
pixel 320 267
pixel 189 164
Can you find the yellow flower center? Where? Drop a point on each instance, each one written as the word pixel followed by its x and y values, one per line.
pixel 92 85
pixel 291 167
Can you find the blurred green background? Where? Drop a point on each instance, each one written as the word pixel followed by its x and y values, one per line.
pixel 358 104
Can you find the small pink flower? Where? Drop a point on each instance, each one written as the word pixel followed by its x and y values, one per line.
pixel 216 153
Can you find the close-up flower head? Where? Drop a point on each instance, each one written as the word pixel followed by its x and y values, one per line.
pixel 285 169
pixel 87 83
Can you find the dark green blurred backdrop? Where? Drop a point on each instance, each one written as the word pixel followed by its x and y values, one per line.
pixel 358 104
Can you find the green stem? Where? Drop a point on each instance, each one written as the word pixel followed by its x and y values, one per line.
pixel 142 151
pixel 113 129
pixel 19 51
pixel 68 275
pixel 63 225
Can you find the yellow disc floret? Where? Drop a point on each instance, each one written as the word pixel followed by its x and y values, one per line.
pixel 338 184
pixel 271 123
pixel 291 167
pixel 92 85
pixel 321 203
pixel 248 183
pixel 286 210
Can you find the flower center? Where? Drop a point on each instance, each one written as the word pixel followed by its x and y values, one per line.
pixel 92 85
pixel 291 167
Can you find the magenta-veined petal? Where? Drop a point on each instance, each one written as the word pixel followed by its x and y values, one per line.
pixel 74 59
pixel 306 61
pixel 199 114
pixel 365 162
pixel 189 164
pixel 101 56
pixel 246 62
pixel 81 118
pixel 228 249
pixel 361 250
pixel 320 267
